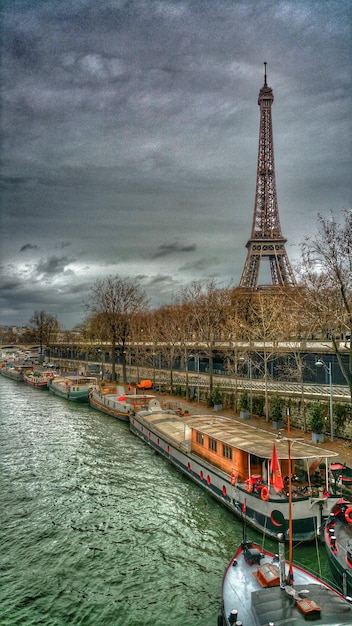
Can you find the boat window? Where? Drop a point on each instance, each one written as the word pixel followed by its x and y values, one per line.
pixel 200 438
pixel 256 460
pixel 212 444
pixel 227 452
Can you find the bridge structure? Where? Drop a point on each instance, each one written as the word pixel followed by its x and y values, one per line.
pixel 73 356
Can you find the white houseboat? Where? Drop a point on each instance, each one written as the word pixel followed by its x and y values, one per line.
pixel 234 463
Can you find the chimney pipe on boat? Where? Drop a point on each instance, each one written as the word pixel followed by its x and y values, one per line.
pixel 281 540
pixel 233 617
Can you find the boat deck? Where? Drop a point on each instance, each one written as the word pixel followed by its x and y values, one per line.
pixel 259 606
pixel 169 425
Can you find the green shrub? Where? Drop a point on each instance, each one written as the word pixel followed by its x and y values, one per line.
pixel 244 401
pixel 258 406
pixel 316 418
pixel 341 415
pixel 216 396
pixel 276 408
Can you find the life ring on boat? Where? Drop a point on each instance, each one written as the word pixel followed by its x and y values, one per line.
pixel 233 479
pixel 264 493
pixel 249 485
pixel 348 515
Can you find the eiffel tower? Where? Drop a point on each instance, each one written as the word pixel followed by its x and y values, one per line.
pixel 266 241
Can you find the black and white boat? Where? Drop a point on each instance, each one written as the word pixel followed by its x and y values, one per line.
pixel 262 589
pixel 338 544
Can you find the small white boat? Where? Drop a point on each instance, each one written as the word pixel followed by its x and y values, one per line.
pixel 74 388
pixel 112 400
pixel 37 378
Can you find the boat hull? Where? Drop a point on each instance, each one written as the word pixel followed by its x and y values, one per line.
pixel 268 516
pixel 71 389
pixel 107 404
pixel 12 373
pixel 338 545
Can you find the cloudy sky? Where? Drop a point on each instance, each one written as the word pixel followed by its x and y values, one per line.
pixel 130 137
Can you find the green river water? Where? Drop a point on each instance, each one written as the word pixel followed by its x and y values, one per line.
pixel 98 530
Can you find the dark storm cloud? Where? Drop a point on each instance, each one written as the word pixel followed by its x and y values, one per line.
pixel 52 266
pixel 173 248
pixel 199 264
pixel 127 125
pixel 27 247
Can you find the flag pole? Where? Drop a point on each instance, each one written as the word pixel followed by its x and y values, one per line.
pixel 290 574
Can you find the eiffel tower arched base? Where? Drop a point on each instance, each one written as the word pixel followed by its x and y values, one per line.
pixel 274 251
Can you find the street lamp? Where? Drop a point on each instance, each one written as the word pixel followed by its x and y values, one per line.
pixel 198 381
pixel 242 358
pixel 159 372
pixel 327 367
pixel 196 367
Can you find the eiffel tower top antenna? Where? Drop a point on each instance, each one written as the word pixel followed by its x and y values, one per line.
pixel 266 241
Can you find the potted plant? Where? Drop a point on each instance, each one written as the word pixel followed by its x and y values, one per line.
pixel 216 398
pixel 244 405
pixel 276 408
pixel 317 422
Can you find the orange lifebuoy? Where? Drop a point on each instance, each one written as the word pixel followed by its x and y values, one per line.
pixel 249 485
pixel 233 479
pixel 348 515
pixel 264 493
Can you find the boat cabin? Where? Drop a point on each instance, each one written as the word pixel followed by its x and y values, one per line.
pixel 245 452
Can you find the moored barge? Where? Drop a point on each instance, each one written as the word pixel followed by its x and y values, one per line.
pixel 15 372
pixel 38 378
pixel 234 463
pixel 113 401
pixel 74 388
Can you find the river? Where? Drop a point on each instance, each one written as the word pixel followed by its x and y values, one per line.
pixel 98 530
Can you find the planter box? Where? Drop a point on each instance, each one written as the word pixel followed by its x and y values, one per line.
pixel 217 407
pixel 318 437
pixel 244 414
pixel 277 425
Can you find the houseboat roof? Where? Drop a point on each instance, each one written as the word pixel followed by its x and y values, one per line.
pixel 248 438
pixel 78 379
pixel 253 440
pixel 167 423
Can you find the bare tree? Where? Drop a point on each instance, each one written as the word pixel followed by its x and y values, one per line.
pixel 44 328
pixel 264 322
pixel 167 320
pixel 207 308
pixel 326 277
pixel 113 304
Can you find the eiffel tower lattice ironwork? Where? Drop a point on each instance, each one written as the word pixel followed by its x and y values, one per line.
pixel 266 239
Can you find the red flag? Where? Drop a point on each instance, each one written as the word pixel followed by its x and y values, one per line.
pixel 278 482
